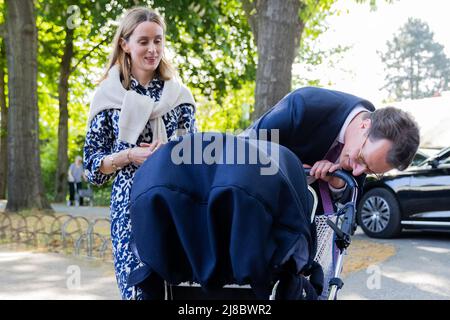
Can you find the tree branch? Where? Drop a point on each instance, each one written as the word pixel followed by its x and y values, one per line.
pixel 88 54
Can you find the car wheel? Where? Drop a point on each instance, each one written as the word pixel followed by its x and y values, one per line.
pixel 379 214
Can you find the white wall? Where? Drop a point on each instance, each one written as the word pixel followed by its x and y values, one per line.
pixel 433 117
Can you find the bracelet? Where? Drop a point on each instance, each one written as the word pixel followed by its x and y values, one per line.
pixel 128 155
pixel 115 167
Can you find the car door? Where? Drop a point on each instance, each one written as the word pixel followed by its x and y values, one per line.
pixel 429 192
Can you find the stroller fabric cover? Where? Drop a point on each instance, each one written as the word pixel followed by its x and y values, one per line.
pixel 202 210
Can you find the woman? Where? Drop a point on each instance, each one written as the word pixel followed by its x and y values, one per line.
pixel 139 105
pixel 75 176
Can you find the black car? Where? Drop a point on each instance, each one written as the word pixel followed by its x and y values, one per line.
pixel 420 157
pixel 417 198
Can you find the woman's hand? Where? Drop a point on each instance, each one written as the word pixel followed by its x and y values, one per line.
pixel 139 154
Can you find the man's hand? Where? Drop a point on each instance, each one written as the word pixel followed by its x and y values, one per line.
pixel 320 169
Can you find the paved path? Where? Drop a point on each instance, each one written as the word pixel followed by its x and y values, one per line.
pixel 85 211
pixel 26 275
pixel 420 269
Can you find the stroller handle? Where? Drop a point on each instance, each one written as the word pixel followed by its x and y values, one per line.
pixel 349 224
pixel 347 177
pixel 344 228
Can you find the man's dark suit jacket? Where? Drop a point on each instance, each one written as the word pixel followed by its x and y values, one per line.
pixel 309 120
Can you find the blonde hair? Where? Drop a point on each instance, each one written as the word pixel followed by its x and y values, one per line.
pixel 129 22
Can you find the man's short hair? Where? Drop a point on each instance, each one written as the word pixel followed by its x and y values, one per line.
pixel 399 127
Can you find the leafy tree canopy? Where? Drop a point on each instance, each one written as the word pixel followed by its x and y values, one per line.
pixel 416 65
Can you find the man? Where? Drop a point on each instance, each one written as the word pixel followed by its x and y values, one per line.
pixel 312 122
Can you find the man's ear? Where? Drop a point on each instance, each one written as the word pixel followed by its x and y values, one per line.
pixel 366 123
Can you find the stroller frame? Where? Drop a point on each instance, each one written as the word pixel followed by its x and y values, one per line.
pixel 87 195
pixel 342 230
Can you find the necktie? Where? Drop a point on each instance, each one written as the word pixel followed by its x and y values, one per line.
pixel 332 155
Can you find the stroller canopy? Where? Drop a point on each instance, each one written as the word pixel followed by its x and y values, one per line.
pixel 202 210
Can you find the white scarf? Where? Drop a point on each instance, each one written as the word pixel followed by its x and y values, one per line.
pixel 137 109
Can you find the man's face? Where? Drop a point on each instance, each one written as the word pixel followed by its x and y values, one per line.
pixel 362 155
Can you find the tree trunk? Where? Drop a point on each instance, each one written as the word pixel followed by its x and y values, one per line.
pixel 63 132
pixel 25 187
pixel 3 123
pixel 278 37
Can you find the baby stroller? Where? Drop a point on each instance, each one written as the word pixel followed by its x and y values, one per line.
pixel 236 232
pixel 87 195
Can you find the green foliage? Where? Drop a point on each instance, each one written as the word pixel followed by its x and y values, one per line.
pixel 2 13
pixel 373 3
pixel 416 65
pixel 314 14
pixel 48 124
pixel 102 194
pixel 213 43
pixel 210 42
pixel 3 46
pixel 231 114
pixel 53 17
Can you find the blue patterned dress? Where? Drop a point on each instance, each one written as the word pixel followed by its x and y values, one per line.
pixel 102 140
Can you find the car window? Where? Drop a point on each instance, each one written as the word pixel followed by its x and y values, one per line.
pixel 441 157
pixel 418 158
pixel 444 158
pixel 445 161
